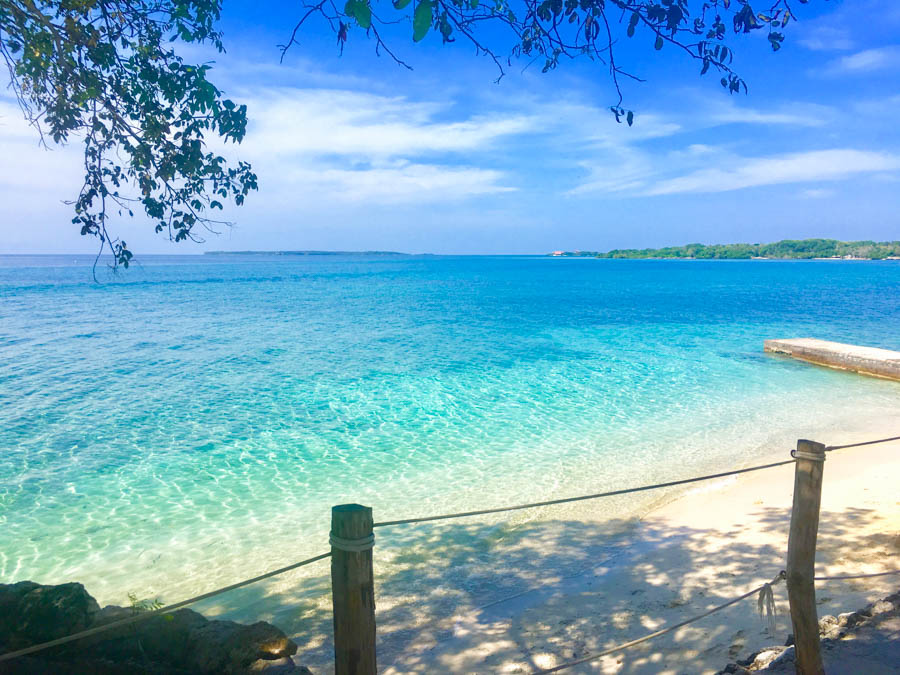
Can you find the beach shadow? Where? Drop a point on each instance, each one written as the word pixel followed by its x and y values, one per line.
pixel 488 597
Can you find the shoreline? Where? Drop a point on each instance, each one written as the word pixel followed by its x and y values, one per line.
pixel 525 594
pixel 525 590
pixel 690 552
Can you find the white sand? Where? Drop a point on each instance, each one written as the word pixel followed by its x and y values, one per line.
pixel 596 585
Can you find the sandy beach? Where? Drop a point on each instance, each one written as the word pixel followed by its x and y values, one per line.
pixel 617 580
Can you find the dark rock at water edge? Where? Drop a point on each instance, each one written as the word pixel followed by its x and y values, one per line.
pixel 183 641
pixel 31 613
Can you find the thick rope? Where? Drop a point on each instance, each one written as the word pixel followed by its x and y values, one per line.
pixel 799 454
pixel 352 545
pixel 669 629
pixel 567 500
pixel 858 576
pixel 856 445
pixel 613 493
pixel 163 610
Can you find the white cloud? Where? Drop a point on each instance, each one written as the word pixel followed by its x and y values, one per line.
pixel 884 108
pixel 407 183
pixel 868 60
pixel 13 124
pixel 805 115
pixel 330 146
pixel 623 163
pixel 816 193
pixel 343 146
pixel 334 122
pixel 819 165
pixel 51 170
pixel 826 38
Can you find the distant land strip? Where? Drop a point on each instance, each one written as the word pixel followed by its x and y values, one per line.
pixel 787 249
pixel 305 253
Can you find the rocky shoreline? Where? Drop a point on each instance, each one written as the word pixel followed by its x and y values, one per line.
pixel 856 642
pixel 181 642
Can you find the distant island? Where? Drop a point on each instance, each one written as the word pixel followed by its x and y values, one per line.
pixel 787 249
pixel 305 253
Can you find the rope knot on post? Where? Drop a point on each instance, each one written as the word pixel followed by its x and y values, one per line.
pixel 800 454
pixel 352 545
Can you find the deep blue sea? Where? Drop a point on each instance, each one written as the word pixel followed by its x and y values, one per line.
pixel 190 421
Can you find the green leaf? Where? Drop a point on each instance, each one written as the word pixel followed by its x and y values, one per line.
pixel 422 18
pixel 400 4
pixel 632 24
pixel 359 10
pixel 630 118
pixel 659 43
pixel 446 28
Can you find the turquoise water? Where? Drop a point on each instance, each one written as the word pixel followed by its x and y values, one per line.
pixel 191 421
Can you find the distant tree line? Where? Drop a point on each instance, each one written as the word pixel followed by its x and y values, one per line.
pixel 787 248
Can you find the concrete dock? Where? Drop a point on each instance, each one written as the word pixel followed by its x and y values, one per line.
pixel 865 360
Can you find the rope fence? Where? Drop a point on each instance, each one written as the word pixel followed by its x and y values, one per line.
pixel 362 544
pixel 615 493
pixel 567 500
pixel 857 445
pixel 764 591
pixel 633 643
pixel 858 576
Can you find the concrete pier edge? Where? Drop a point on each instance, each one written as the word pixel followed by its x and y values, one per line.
pixel 872 361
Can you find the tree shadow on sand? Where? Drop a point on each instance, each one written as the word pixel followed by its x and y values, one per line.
pixel 459 596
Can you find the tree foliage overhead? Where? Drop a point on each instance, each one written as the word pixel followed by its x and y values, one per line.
pixel 106 71
pixel 547 32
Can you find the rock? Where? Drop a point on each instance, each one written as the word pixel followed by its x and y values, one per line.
pixel 882 607
pixel 844 618
pixel 261 640
pixel 187 639
pixel 45 612
pixel 164 638
pixel 829 627
pixel 181 642
pixel 171 637
pixel 826 622
pixel 276 667
pixel 225 646
pixel 210 653
pixel 765 657
pixel 852 619
pixel 10 597
pixel 854 642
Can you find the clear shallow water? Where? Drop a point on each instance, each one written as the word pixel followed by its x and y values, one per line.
pixel 192 421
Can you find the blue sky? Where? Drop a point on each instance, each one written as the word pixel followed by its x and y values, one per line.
pixel 354 152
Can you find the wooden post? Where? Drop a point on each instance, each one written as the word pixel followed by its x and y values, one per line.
pixel 802 553
pixel 353 589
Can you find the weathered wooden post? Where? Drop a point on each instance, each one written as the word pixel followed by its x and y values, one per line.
pixel 801 555
pixel 353 589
